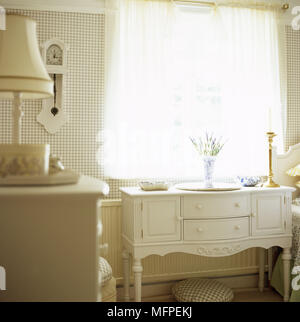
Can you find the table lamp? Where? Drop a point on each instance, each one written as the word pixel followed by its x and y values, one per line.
pixel 22 76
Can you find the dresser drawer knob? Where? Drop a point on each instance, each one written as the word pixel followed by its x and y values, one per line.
pixel 200 230
pixel 237 205
pixel 253 215
pixel 199 206
pixel 237 227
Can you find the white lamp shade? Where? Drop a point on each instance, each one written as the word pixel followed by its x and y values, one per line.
pixel 21 66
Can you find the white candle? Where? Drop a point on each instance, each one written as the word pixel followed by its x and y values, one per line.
pixel 270 119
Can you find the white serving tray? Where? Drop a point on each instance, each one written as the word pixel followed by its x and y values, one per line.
pixel 59 178
pixel 199 186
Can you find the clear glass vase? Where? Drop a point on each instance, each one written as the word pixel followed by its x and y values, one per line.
pixel 209 166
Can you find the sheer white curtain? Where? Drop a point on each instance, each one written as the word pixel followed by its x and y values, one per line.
pixel 138 112
pixel 176 72
pixel 250 85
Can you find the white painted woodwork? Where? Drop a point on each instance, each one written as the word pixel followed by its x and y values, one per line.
pixel 173 266
pixel 284 162
pixel 126 274
pixel 128 225
pixel 268 214
pixel 205 206
pixel 215 229
pixel 161 219
pixel 49 241
pixel 137 268
pixel 224 223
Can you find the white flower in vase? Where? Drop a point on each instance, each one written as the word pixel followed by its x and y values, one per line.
pixel 208 147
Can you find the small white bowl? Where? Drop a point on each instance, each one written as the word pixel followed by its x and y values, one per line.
pixel 250 181
pixel 153 185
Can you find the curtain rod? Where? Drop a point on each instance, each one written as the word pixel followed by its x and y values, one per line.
pixel 285 6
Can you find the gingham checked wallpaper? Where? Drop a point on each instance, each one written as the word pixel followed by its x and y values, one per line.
pixel 293 83
pixel 77 142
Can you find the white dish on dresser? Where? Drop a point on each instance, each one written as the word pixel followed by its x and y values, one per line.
pixel 153 185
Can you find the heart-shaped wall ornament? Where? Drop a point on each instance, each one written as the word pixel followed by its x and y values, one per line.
pixel 52 119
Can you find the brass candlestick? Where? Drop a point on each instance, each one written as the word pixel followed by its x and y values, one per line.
pixel 270 183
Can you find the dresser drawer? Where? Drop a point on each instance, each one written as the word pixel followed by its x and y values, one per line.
pixel 214 229
pixel 215 206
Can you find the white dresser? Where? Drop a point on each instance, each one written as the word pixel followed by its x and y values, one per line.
pixel 49 241
pixel 204 223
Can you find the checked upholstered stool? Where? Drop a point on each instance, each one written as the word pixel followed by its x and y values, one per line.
pixel 107 282
pixel 202 290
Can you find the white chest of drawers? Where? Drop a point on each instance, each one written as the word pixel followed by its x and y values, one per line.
pixel 49 241
pixel 204 223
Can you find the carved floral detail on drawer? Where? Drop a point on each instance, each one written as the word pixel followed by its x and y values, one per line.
pixel 219 250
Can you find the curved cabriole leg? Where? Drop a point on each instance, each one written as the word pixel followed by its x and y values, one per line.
pixel 137 269
pixel 126 274
pixel 286 260
pixel 261 273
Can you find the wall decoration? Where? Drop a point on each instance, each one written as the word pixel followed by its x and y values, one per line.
pixel 53 116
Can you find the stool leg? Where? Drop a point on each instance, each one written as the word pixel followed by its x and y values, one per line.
pixel 126 274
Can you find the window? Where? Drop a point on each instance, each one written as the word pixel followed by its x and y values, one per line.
pixel 177 72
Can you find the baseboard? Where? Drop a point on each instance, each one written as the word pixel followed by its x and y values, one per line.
pixel 161 292
pixel 150 279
